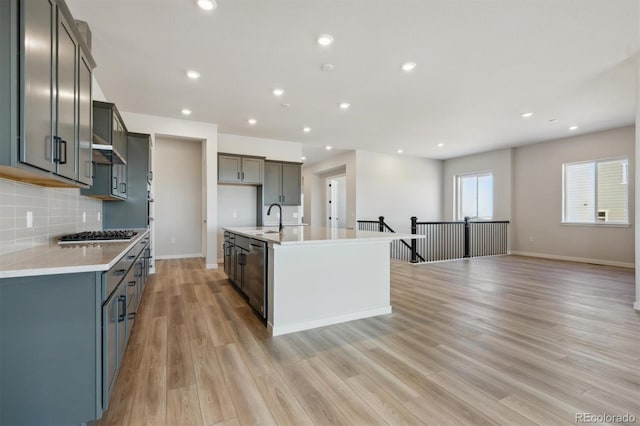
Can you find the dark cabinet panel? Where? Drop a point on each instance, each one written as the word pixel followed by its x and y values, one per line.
pixel 134 211
pixel 282 183
pixel 41 58
pixel 110 180
pixel 234 168
pixel 85 166
pixel 37 147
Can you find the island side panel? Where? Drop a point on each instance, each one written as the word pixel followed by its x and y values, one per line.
pixel 321 284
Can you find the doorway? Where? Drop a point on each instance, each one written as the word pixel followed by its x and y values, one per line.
pixel 179 194
pixel 336 201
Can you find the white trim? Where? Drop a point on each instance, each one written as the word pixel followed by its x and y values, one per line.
pixel 576 259
pixel 636 305
pixel 179 256
pixel 605 224
pixel 212 266
pixel 278 331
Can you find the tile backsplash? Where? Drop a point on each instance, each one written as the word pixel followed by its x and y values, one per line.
pixel 54 212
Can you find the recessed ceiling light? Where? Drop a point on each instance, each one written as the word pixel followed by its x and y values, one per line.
pixel 345 105
pixel 252 121
pixel 278 92
pixel 400 151
pixel 207 4
pixel 327 67
pixel 328 148
pixel 573 128
pixel 303 158
pixel 186 111
pixel 409 66
pixel 440 145
pixel 526 115
pixel 325 40
pixel 193 75
pixel 306 129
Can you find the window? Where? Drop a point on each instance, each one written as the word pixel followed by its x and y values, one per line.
pixel 474 196
pixel 596 191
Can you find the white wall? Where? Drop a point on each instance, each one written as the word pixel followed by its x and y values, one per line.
pixel 207 132
pixel 314 177
pixel 178 198
pixel 537 200
pixel 497 162
pixel 398 187
pixel 269 148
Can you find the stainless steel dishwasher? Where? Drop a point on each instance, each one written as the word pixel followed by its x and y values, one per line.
pixel 255 276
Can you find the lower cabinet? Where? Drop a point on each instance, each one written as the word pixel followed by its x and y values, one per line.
pixel 62 340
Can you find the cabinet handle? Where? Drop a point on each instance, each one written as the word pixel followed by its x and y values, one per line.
pixel 56 149
pixel 122 301
pixel 131 283
pixel 115 182
pixel 133 256
pixel 123 187
pixel 90 169
pixel 242 175
pixel 65 151
pixel 238 175
pixel 120 272
pixel 283 198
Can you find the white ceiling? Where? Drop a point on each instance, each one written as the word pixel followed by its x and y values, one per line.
pixel 481 63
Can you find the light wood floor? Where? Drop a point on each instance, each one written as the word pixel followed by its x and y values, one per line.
pixel 503 340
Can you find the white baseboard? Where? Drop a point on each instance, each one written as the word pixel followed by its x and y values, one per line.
pixel 212 266
pixel 278 331
pixel 179 256
pixel 636 305
pixel 575 259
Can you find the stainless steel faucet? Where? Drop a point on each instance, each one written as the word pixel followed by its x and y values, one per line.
pixel 280 226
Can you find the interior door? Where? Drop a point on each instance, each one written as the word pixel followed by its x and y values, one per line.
pixel 67 70
pixel 37 113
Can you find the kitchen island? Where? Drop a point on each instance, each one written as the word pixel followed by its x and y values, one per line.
pixel 320 276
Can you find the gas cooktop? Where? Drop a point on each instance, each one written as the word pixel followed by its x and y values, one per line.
pixel 98 237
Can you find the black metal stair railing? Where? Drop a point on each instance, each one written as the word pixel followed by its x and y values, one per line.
pixel 446 240
pixel 400 249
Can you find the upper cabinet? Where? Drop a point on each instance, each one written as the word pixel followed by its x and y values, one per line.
pixel 45 116
pixel 110 178
pixel 240 169
pixel 282 183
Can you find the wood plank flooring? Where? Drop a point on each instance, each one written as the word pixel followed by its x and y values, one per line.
pixel 502 340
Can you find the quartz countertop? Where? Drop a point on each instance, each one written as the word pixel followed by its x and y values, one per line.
pixel 55 258
pixel 315 235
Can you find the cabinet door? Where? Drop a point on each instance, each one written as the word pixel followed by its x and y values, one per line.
pixel 291 177
pixel 121 292
pixel 252 170
pixel 36 148
pixel 229 169
pixel 85 165
pixel 109 346
pixel 67 69
pixel 272 183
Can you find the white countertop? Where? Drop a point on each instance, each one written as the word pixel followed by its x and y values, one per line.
pixel 57 258
pixel 315 235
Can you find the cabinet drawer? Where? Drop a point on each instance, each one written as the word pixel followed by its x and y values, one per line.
pixel 114 275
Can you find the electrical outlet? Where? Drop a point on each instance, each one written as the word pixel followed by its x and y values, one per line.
pixel 99 216
pixel 295 215
pixel 29 219
pixel 235 215
pixel 84 217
